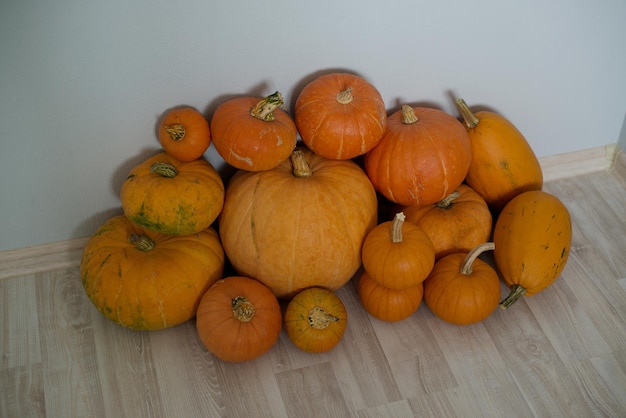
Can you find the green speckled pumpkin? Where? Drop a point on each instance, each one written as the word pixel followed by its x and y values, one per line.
pixel 173 197
pixel 145 280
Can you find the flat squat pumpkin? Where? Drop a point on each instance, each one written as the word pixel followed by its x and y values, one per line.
pixel 145 280
pixel 171 196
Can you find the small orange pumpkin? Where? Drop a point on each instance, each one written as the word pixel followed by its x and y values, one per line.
pixel 458 223
pixel 315 320
pixel 171 196
pixel 533 238
pixel 145 280
pixel 503 163
pixel 422 158
pixel 398 254
pixel 463 289
pixel 340 116
pixel 184 133
pixel 253 134
pixel 388 304
pixel 238 319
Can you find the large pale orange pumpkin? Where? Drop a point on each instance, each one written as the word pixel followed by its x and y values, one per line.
pixel 423 156
pixel 300 224
pixel 458 223
pixel 340 116
pixel 145 280
pixel 503 163
pixel 398 254
pixel 253 134
pixel 533 238
pixel 171 196
pixel 238 319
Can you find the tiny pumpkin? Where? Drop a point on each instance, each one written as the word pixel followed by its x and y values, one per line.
pixel 463 289
pixel 184 133
pixel 388 304
pixel 503 163
pixel 340 116
pixel 398 254
pixel 315 320
pixel 457 223
pixel 171 196
pixel 145 280
pixel 238 319
pixel 423 156
pixel 253 134
pixel 533 238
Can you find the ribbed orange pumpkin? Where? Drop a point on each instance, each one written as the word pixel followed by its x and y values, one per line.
pixel 423 156
pixel 463 289
pixel 340 116
pixel 300 224
pixel 184 133
pixel 388 304
pixel 398 254
pixel 315 320
pixel 533 238
pixel 503 163
pixel 145 280
pixel 238 319
pixel 458 223
pixel 173 197
pixel 253 134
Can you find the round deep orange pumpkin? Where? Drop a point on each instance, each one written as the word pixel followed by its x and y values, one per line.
pixel 300 224
pixel 503 163
pixel 238 319
pixel 315 320
pixel 388 304
pixel 145 280
pixel 457 223
pixel 423 156
pixel 184 133
pixel 340 116
pixel 171 196
pixel 398 254
pixel 253 134
pixel 533 238
pixel 463 289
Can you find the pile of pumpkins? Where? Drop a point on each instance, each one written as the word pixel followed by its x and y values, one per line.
pixel 407 202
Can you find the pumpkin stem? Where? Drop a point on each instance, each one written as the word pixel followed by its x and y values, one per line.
pixel 408 115
pixel 345 97
pixel 243 309
pixel 142 242
pixel 175 131
pixel 517 291
pixel 320 319
pixel 470 118
pixel 164 169
pixel 396 227
pixel 301 167
pixel 446 202
pixel 264 109
pixel 466 267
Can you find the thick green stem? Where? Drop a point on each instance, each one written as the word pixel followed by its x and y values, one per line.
pixel 142 242
pixel 470 119
pixel 164 169
pixel 517 291
pixel 264 109
pixel 468 263
pixel 176 131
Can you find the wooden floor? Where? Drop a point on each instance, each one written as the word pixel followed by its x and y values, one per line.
pixel 561 353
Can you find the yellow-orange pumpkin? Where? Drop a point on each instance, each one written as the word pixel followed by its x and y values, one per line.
pixel 422 158
pixel 458 223
pixel 171 196
pixel 315 320
pixel 340 116
pixel 300 224
pixel 503 163
pixel 145 280
pixel 533 237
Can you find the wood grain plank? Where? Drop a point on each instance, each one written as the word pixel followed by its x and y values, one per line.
pixel 22 391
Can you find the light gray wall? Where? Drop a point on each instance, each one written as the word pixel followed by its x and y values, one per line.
pixel 82 83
